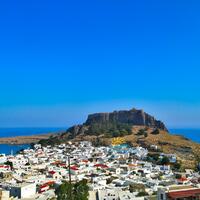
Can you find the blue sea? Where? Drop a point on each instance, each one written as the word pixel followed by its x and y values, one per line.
pixel 193 134
pixel 12 132
pixel 12 149
pixel 190 133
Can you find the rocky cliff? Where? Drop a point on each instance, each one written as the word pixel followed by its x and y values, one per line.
pixel 133 117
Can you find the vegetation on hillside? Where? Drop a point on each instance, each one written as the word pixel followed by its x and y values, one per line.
pixel 142 132
pixel 53 140
pixel 110 129
pixel 157 159
pixel 102 133
pixel 155 131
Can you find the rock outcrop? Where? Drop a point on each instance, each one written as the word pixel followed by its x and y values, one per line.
pixel 76 130
pixel 114 124
pixel 133 117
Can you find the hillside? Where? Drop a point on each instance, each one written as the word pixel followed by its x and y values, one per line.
pixel 114 124
pixel 136 127
pixel 186 150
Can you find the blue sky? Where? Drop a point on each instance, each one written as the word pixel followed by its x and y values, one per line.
pixel 60 60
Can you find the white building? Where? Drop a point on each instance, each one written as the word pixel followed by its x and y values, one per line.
pixel 25 190
pixel 4 195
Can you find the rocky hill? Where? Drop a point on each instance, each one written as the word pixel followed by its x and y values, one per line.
pixel 133 117
pixel 114 124
pixel 117 123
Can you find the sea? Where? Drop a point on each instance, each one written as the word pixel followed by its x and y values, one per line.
pixel 190 133
pixel 13 132
pixel 193 134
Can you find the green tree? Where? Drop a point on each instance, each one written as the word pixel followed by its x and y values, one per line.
pixel 141 132
pixel 63 191
pixel 176 166
pixel 155 132
pixel 116 133
pixel 178 176
pixel 77 191
pixel 142 194
pixel 164 161
pixel 81 190
pixel 9 163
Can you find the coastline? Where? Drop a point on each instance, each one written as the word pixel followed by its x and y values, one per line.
pixel 188 134
pixel 20 140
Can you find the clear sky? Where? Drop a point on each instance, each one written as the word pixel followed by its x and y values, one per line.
pixel 60 60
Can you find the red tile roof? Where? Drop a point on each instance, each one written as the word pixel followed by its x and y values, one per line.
pixel 74 168
pixel 101 166
pixel 184 193
pixel 5 166
pixel 62 165
pixel 52 172
pixel 85 161
pixel 182 179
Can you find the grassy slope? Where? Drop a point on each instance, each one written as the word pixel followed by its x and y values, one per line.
pixel 186 150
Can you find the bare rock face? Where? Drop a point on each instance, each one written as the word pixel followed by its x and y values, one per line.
pixel 132 117
pixel 77 130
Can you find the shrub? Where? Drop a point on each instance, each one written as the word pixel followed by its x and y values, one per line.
pixel 155 132
pixel 142 132
pixel 110 129
pixel 164 161
pixel 142 194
